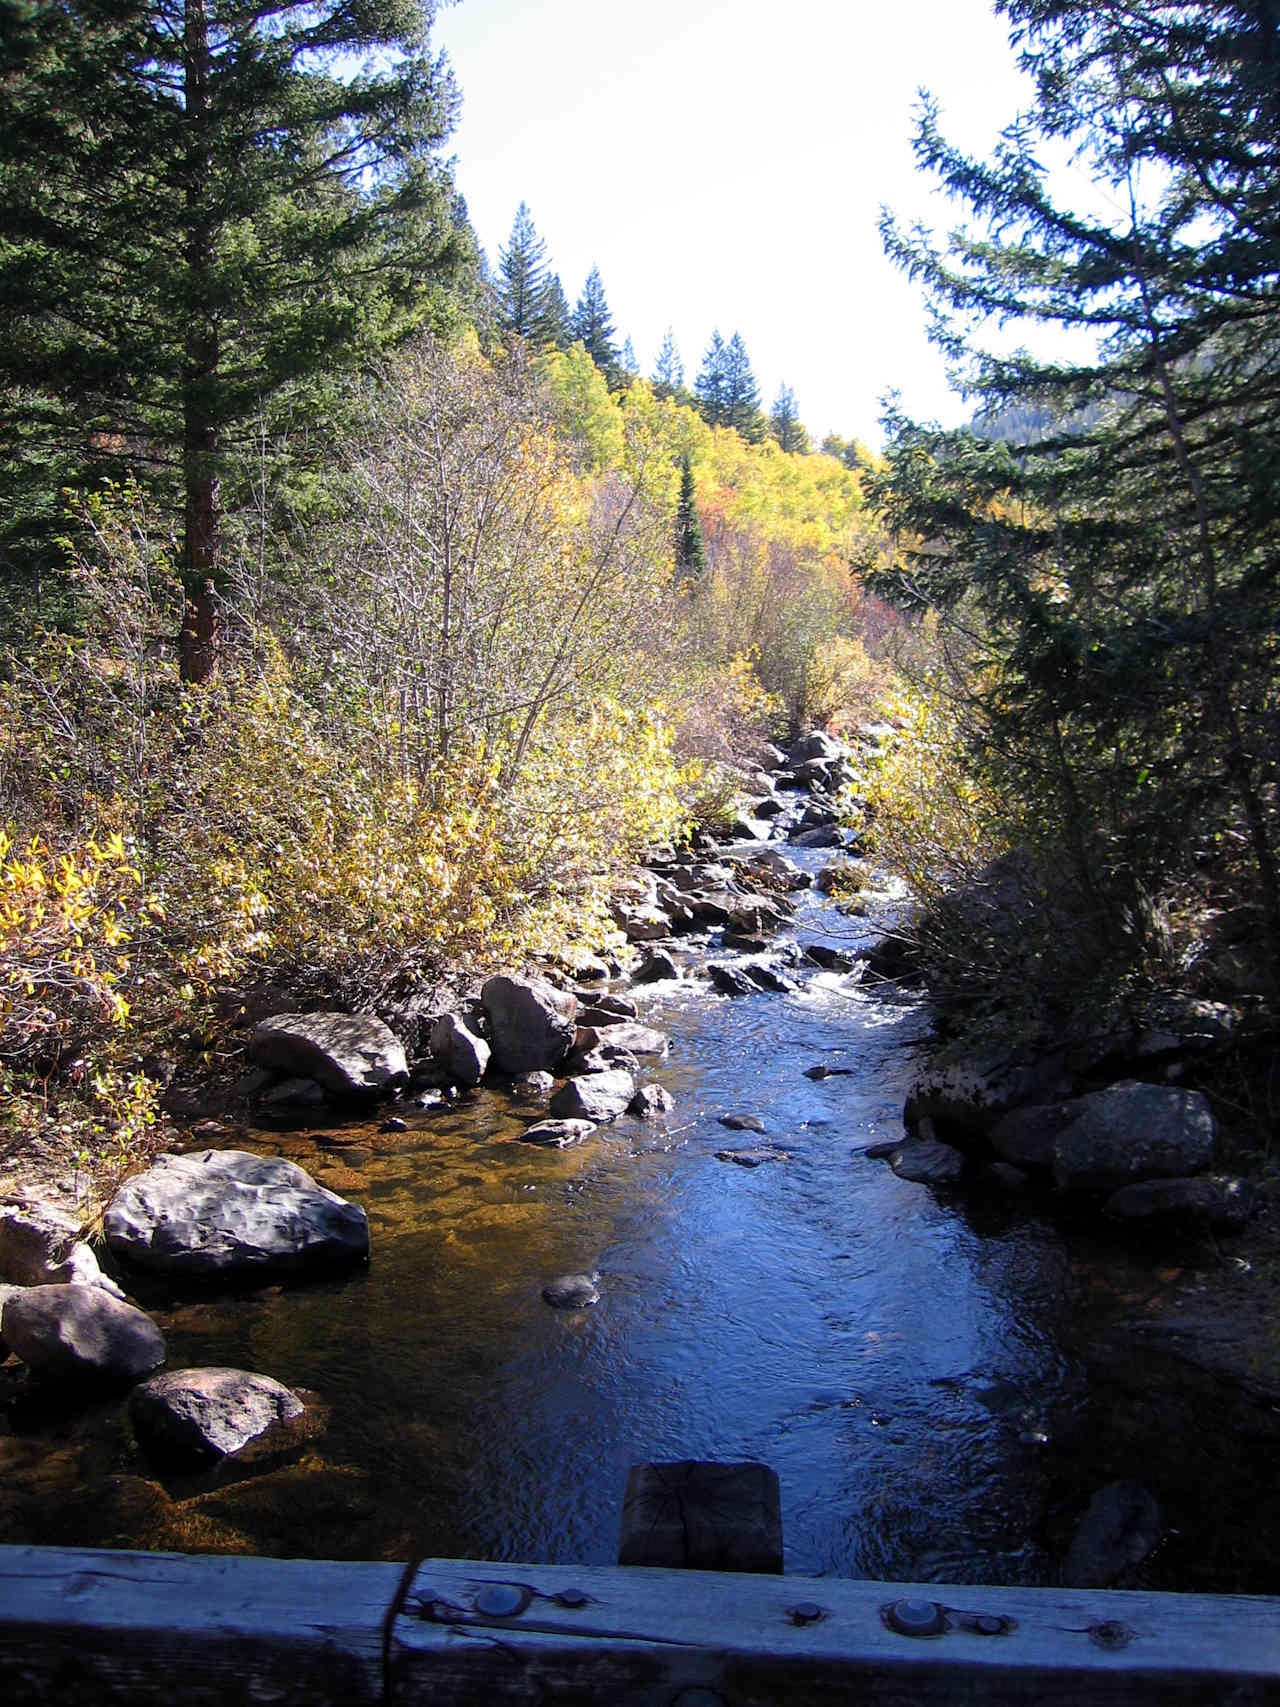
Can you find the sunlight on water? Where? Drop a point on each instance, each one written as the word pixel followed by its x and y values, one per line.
pixel 846 1327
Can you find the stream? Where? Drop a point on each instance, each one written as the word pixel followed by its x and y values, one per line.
pixel 909 1362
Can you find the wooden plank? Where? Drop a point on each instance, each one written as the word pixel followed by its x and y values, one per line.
pixel 82 1628
pixel 137 1628
pixel 635 1637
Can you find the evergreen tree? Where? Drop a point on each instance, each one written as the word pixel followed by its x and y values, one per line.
pixel 216 215
pixel 555 322
pixel 711 386
pixel 741 393
pixel 593 324
pixel 523 281
pixel 668 374
pixel 691 547
pixel 1116 574
pixel 784 422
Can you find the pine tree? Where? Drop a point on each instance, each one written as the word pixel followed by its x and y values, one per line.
pixel 217 217
pixel 627 362
pixel 593 324
pixel 1118 571
pixel 668 373
pixel 711 386
pixel 523 281
pixel 555 322
pixel 691 547
pixel 741 393
pixel 784 422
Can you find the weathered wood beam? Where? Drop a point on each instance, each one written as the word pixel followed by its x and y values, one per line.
pixel 94 1627
pixel 641 1637
pixel 80 1628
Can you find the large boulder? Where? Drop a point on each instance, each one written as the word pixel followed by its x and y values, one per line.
pixel 531 1023
pixel 1208 1200
pixel 777 871
pixel 40 1246
pixel 595 1096
pixel 351 1055
pixel 966 1095
pixel 1133 1131
pixel 202 1414
pixel 1026 1136
pixel 817 744
pixel 627 1035
pixel 459 1050
pixel 80 1333
pixel 222 1213
pixel 35 1238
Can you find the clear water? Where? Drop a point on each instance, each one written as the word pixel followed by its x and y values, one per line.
pixel 903 1369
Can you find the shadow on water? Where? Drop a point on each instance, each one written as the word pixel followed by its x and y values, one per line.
pixel 905 1364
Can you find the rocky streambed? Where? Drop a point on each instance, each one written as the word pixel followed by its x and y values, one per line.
pixel 441 1300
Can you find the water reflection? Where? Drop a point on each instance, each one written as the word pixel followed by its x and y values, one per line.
pixel 897 1364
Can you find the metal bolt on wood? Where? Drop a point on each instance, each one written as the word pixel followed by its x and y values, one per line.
pixel 502 1600
pixel 807 1612
pixel 916 1618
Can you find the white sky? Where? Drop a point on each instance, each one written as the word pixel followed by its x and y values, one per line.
pixel 723 163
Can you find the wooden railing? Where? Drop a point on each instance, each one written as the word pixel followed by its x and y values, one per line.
pixel 78 1628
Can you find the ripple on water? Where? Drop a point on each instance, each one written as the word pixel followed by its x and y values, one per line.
pixel 889 1358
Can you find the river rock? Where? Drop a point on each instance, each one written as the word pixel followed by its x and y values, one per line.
pixel 967 1095
pixel 537 1087
pixel 1133 1131
pixel 557 1134
pixel 531 1023
pixel 1120 1527
pixel 821 836
pixel 292 1099
pixel 656 966
pixel 34 1239
pixel 572 1291
pixel 225 1213
pixel 647 926
pixel 817 744
pixel 607 1009
pixel 730 981
pixel 463 1054
pixel 830 959
pixel 626 1035
pixel 200 1414
pixel 594 1096
pixel 40 1245
pixel 651 1101
pixel 351 1055
pixel 927 1161
pixel 745 829
pixel 769 978
pixel 80 1333
pixel 743 1123
pixel 1026 1136
pixel 749 1158
pixel 1208 1200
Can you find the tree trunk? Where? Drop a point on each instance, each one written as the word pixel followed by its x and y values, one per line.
pixel 201 549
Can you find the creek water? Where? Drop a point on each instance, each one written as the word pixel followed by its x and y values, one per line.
pixel 906 1361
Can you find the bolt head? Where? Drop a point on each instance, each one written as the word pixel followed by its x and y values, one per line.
pixel 917 1618
pixel 501 1600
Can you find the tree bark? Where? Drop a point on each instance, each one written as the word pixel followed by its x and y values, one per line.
pixel 201 549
